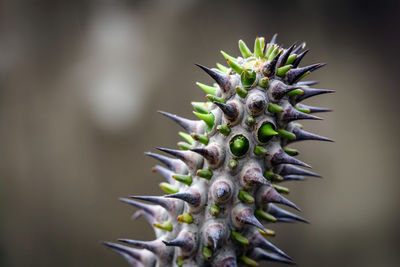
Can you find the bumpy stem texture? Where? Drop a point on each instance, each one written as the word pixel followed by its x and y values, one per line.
pixel 223 183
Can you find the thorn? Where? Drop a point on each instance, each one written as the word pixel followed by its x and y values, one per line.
pixel 261 255
pixel 285 55
pixel 232 164
pixel 291 151
pixel 284 215
pixel 291 169
pixel 223 69
pixel 208 89
pixel 260 151
pixel 132 255
pixel 307 83
pixel 281 189
pixel 154 246
pixel 268 194
pixel 222 80
pixel 273 39
pixel 244 50
pixel 188 157
pixel 294 178
pixel 187 137
pixel 291 114
pixel 212 153
pixel 313 109
pixel 226 56
pixel 192 199
pixel 247 261
pixel 309 92
pixel 272 177
pixel 278 90
pixel 257 240
pixel 207 118
pixel 291 59
pixel 302 135
pixel 280 157
pixel 276 51
pixel 242 215
pixel 239 145
pixel 165 203
pixel 297 49
pixel 268 69
pixel 299 58
pixel 166 173
pixel 256 103
pixel 173 164
pixel 200 138
pixel 189 125
pixel 201 107
pixel 295 74
pixel 230 110
pixel 250 121
pixel 150 209
pixel 214 233
pixel 252 175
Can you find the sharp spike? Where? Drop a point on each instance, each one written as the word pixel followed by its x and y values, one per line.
pixel 267 194
pixel 307 83
pixel 154 246
pixel 252 220
pixel 212 153
pixel 167 204
pixel 295 74
pixel 280 157
pixel 309 92
pixel 261 255
pixel 294 178
pixel 313 109
pixel 299 58
pixel 175 165
pixel 285 55
pixel 190 158
pixel 273 39
pixel 134 256
pixel 167 174
pixel 213 234
pixel 190 126
pixel 252 176
pixel 288 169
pixel 225 260
pixel 242 215
pixel 222 80
pixel 192 199
pixel 297 49
pixel 269 68
pixel 278 89
pixel 291 114
pixel 284 215
pixel 176 243
pixel 302 135
pixel 230 111
pixel 150 209
pixel 257 240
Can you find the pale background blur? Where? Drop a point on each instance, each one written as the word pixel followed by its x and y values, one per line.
pixel 80 83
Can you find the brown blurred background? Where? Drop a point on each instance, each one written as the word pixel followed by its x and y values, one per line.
pixel 80 83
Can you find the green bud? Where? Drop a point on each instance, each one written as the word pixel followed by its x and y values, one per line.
pixel 247 261
pixel 264 82
pixel 207 253
pixel 214 210
pixel 260 214
pixel 281 189
pixel 169 188
pixel 200 107
pixel 222 68
pixel 180 262
pixel 235 66
pixel 244 50
pixel 248 78
pixel 166 226
pixel 185 218
pixel 274 52
pixel 245 197
pixel 204 173
pixel 295 92
pixel 208 89
pixel 187 137
pixel 200 138
pixel 266 132
pixel 291 59
pixel 185 179
pixel 239 238
pixel 274 108
pixel 224 129
pixel 232 164
pixel 304 110
pixel 241 91
pixel 291 151
pixel 207 118
pixel 273 177
pixel 239 145
pixel 257 48
pixel 268 51
pixel 185 146
pixel 215 99
pixel 260 151
pixel 286 134
pixel 282 70
pixel 250 121
pixel 226 56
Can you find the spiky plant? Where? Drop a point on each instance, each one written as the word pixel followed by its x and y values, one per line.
pixel 223 184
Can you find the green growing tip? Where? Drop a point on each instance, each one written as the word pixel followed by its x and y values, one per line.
pixel 208 89
pixel 180 262
pixel 304 110
pixel 214 210
pixel 273 53
pixel 250 120
pixel 286 134
pixel 291 151
pixel 169 188
pixel 222 68
pixel 239 238
pixel 282 70
pixel 187 137
pixel 213 99
pixel 166 226
pixel 295 92
pixel 201 107
pixel 226 56
pixel 204 173
pixel 207 118
pixel 239 145
pixel 257 48
pixel 232 164
pixel 244 50
pixel 245 197
pixel 241 92
pixel 273 177
pixel 291 59
pixel 264 82
pixel 260 151
pixel 185 179
pixel 248 78
pixel 207 253
pixel 185 218
pixel 281 189
pixel 274 108
pixel 266 132
pixel 185 146
pixel 200 138
pixel 260 214
pixel 224 129
pixel 247 261
pixel 235 66
pixel 268 51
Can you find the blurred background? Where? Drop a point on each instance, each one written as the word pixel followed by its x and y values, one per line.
pixel 80 83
